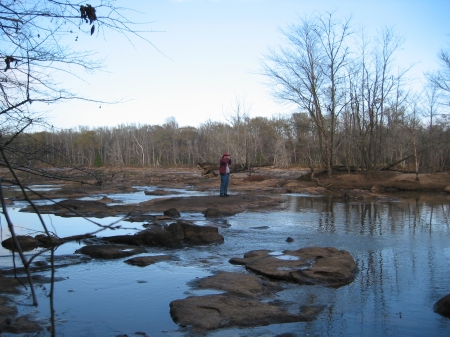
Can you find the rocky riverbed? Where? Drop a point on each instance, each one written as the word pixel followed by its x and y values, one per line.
pixel 244 299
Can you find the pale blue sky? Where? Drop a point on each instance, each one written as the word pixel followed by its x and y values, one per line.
pixel 213 51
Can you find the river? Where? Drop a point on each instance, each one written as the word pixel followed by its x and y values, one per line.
pixel 401 247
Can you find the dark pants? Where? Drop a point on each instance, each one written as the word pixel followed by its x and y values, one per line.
pixel 224 181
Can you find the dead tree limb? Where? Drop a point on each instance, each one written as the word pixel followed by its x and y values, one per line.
pixel 387 167
pixel 320 184
pixel 17 246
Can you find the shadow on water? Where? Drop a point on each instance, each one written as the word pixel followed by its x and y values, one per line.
pixel 401 247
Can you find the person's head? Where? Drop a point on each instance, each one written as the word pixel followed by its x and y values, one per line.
pixel 226 155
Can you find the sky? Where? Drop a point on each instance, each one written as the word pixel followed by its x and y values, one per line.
pixel 205 55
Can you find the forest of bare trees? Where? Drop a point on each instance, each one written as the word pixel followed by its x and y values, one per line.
pixel 281 141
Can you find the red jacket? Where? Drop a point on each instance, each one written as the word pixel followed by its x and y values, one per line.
pixel 223 165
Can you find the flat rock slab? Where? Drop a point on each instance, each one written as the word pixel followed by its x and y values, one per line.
pixel 221 311
pixel 143 261
pixel 244 304
pixel 110 251
pixel 6 309
pixel 27 242
pixel 239 284
pixel 313 265
pixel 227 206
pixel 9 322
pixel 13 285
pixel 161 192
pixel 212 212
pixel 142 218
pixel 10 285
pixel 59 261
pixel 72 208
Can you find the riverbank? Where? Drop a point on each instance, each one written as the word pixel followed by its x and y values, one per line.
pixel 265 179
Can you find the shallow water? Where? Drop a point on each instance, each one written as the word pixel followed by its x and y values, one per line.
pixel 402 250
pixel 139 195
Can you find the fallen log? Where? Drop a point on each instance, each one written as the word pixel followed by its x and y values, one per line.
pixel 213 168
pixel 387 167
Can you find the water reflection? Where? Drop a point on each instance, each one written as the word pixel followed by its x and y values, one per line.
pixel 401 248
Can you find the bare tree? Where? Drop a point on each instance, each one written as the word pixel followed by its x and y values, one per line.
pixel 441 78
pixel 309 72
pixel 238 119
pixel 36 51
pixel 376 93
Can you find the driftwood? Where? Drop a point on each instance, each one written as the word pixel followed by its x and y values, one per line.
pixel 311 175
pixel 213 168
pixel 208 169
pixel 320 184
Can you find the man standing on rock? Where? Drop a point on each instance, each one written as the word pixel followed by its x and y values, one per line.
pixel 224 171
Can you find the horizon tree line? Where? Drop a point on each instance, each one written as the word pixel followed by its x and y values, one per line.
pixel 409 143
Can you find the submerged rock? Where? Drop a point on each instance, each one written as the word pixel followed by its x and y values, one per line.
pixel 9 322
pixel 10 285
pixel 141 218
pixel 172 212
pixel 160 192
pixel 173 236
pixel 153 236
pixel 59 261
pixel 109 251
pixel 5 309
pixel 442 307
pixel 192 234
pixel 313 265
pixel 212 212
pixel 143 261
pixel 18 325
pixel 239 284
pixel 72 208
pixel 107 200
pixel 26 242
pixel 9 202
pixel 357 194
